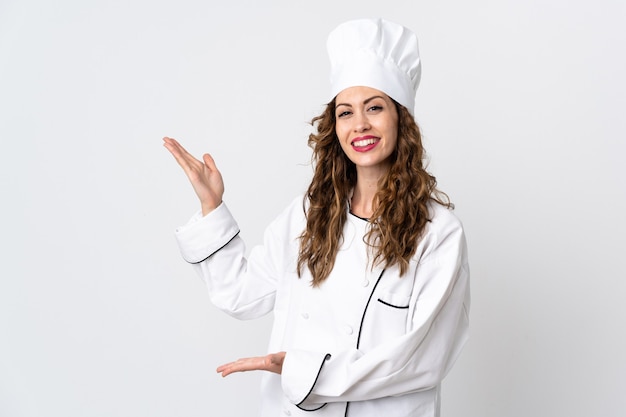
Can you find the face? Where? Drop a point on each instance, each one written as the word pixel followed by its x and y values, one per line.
pixel 367 127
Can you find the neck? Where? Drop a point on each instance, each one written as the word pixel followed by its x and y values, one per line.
pixel 364 192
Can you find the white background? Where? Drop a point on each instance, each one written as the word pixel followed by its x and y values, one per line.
pixel 523 109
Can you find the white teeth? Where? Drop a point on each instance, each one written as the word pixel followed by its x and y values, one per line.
pixel 364 142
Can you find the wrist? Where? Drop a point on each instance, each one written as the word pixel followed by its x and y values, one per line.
pixel 209 207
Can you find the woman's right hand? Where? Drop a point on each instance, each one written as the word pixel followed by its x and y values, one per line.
pixel 204 176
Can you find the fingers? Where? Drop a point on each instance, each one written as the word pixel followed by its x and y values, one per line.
pixel 184 158
pixel 243 365
pixel 204 176
pixel 209 162
pixel 172 145
pixel 272 363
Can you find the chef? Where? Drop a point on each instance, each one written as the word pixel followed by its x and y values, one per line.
pixel 366 274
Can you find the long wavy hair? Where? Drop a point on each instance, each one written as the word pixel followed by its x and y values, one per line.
pixel 400 204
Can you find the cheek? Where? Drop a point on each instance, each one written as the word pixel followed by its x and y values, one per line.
pixel 340 131
pixel 345 147
pixel 342 136
pixel 393 134
pixel 394 140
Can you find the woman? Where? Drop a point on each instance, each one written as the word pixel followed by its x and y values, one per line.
pixel 367 276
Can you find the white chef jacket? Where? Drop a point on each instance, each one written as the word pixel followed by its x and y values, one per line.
pixel 366 342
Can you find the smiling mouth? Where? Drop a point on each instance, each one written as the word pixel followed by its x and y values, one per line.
pixel 364 142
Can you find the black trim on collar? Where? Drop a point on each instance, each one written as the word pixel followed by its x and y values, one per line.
pixel 358 217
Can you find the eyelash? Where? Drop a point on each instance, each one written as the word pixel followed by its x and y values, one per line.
pixel 373 108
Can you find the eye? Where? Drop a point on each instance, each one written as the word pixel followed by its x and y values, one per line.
pixel 375 108
pixel 343 114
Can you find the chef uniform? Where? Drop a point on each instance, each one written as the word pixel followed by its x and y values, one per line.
pixel 366 342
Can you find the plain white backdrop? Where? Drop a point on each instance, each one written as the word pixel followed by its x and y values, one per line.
pixel 522 106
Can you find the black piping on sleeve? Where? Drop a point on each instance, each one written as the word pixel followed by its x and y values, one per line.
pixel 327 357
pixel 219 249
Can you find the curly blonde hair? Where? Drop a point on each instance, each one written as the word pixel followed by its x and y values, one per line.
pixel 400 204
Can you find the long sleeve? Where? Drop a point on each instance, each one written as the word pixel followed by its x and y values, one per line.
pixel 242 287
pixel 366 337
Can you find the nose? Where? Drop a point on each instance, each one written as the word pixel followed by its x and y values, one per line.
pixel 361 122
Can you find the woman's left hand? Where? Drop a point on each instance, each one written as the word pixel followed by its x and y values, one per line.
pixel 272 362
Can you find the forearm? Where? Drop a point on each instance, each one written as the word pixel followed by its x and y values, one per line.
pixel 243 288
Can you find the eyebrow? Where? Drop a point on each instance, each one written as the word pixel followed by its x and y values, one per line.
pixel 365 102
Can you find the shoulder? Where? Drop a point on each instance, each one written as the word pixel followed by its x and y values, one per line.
pixel 443 233
pixel 442 218
pixel 295 209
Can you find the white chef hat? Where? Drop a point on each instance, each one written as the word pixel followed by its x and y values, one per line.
pixel 375 53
